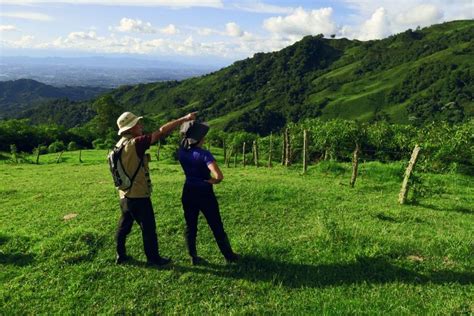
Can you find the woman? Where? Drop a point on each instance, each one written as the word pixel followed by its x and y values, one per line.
pixel 198 194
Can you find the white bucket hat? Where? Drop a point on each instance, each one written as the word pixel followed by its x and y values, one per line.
pixel 126 121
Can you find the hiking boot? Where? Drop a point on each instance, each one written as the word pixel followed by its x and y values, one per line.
pixel 229 255
pixel 233 258
pixel 121 259
pixel 160 262
pixel 198 261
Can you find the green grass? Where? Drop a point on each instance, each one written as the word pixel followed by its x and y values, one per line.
pixel 310 244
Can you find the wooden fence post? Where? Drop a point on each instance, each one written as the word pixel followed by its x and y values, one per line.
pixel 235 157
pixel 404 191
pixel 14 152
pixel 305 151
pixel 158 149
pixel 283 149
pixel 37 155
pixel 288 148
pixel 255 153
pixel 80 155
pixel 224 151
pixel 270 151
pixel 59 157
pixel 355 165
pixel 227 160
pixel 243 154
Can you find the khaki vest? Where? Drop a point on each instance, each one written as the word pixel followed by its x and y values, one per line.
pixel 141 187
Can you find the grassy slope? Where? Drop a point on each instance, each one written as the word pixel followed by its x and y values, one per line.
pixel 310 243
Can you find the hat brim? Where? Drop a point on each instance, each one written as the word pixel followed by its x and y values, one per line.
pixel 130 125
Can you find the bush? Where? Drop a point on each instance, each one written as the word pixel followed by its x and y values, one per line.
pixel 98 143
pixel 72 146
pixel 109 143
pixel 55 147
pixel 43 149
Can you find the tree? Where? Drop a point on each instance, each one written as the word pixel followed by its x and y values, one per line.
pixel 107 113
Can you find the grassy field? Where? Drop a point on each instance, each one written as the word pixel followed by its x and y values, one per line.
pixel 310 244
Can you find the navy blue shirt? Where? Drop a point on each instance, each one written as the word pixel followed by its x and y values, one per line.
pixel 194 162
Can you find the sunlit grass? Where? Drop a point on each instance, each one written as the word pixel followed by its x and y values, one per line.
pixel 310 244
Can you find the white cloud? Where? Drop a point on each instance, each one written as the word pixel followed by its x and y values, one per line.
pixel 232 29
pixel 140 3
pixel 404 14
pixel 377 27
pixel 8 28
pixel 134 26
pixel 171 29
pixel 424 14
pixel 88 36
pixel 259 7
pixel 302 22
pixel 35 16
pixel 128 25
pixel 205 31
pixel 26 41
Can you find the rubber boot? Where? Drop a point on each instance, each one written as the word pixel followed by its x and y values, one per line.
pixel 191 246
pixel 229 255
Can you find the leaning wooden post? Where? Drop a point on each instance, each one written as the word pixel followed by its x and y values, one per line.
pixel 270 151
pixel 59 157
pixel 287 149
pixel 404 191
pixel 80 155
pixel 355 165
pixel 305 151
pixel 243 154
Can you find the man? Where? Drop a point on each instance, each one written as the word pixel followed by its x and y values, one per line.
pixel 135 202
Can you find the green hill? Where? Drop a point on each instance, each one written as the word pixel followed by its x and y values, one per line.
pixel 25 95
pixel 418 75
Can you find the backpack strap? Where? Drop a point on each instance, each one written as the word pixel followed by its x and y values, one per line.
pixel 139 164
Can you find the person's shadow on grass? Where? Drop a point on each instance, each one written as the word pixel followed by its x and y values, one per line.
pixel 13 258
pixel 374 270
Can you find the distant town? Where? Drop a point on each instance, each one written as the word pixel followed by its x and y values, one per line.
pixel 95 72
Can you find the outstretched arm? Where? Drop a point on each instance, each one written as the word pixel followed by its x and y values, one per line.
pixel 217 175
pixel 170 126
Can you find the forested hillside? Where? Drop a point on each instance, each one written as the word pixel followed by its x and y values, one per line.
pixel 26 94
pixel 415 76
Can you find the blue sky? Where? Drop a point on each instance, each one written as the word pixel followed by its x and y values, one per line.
pixel 217 30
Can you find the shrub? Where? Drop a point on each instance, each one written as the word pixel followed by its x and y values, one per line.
pixel 43 149
pixel 72 146
pixel 56 146
pixel 98 143
pixel 109 143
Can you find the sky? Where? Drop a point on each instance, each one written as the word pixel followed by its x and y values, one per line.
pixel 204 30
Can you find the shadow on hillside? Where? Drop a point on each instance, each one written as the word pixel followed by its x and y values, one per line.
pixel 365 270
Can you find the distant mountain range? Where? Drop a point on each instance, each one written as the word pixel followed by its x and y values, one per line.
pixel 416 76
pixel 25 94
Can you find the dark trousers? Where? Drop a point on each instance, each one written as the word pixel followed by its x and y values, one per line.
pixel 141 211
pixel 196 199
